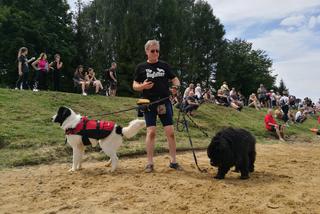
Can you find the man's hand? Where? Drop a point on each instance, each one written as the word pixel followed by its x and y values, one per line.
pixel 147 84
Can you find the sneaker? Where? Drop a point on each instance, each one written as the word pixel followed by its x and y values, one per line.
pixel 16 88
pixel 149 168
pixel 84 94
pixel 35 90
pixel 175 166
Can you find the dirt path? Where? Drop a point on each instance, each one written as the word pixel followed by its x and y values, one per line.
pixel 287 180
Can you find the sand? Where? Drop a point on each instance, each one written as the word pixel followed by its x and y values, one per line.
pixel 286 180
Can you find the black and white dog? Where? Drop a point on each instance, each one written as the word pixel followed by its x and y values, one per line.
pixel 80 132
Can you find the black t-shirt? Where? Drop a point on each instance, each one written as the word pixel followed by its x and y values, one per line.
pixel 160 73
pixel 191 99
pixel 113 71
pixel 24 63
pixel 55 66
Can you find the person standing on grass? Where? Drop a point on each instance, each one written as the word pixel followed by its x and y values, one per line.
pixel 112 79
pixel 41 66
pixel 23 69
pixel 56 65
pixel 152 79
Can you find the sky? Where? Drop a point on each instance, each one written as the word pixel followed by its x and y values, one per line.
pixel 289 32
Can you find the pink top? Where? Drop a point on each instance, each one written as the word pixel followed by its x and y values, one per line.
pixel 43 64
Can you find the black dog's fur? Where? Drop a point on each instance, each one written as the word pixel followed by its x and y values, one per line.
pixel 232 147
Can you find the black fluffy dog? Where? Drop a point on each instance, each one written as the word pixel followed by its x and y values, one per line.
pixel 232 147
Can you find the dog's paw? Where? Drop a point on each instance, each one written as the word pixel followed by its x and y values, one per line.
pixel 72 170
pixel 108 163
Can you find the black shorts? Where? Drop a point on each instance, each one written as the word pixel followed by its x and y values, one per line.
pixel 113 85
pixel 262 97
pixel 273 129
pixel 150 115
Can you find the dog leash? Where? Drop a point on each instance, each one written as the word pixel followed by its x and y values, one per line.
pixel 185 123
pixel 146 105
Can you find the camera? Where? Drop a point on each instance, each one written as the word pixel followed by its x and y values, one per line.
pixel 140 111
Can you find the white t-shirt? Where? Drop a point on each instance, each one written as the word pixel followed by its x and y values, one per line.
pixel 285 100
pixel 298 114
pixel 197 92
pixel 186 93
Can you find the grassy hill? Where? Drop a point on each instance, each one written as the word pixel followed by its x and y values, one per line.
pixel 27 135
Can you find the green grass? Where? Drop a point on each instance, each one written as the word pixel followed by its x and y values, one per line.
pixel 28 137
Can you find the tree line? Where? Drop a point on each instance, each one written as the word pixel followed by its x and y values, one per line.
pixel 191 39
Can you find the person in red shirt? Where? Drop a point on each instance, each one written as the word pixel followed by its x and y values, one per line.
pixel 271 125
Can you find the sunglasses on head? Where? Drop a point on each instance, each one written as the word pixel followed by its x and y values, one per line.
pixel 156 50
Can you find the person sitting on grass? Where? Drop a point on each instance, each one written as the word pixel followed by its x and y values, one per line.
pixel 254 102
pixel 272 126
pixel 234 100
pixel 208 97
pixel 79 79
pixel 186 92
pixel 300 116
pixel 191 103
pixel 222 99
pixel 91 77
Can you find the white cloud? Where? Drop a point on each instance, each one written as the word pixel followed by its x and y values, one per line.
pixel 314 21
pixel 303 76
pixel 296 59
pixel 240 10
pixel 284 44
pixel 296 21
pixel 287 30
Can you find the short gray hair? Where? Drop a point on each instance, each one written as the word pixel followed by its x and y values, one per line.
pixel 150 43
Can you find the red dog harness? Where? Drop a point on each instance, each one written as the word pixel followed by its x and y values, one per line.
pixel 92 129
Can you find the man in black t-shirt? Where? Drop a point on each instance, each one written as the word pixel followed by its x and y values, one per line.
pixel 152 79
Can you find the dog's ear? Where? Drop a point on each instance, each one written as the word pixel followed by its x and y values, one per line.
pixel 63 113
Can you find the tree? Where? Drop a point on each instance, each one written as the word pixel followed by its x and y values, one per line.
pixel 244 68
pixel 282 87
pixel 188 32
pixel 40 26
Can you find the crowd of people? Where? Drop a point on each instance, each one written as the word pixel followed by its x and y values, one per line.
pixel 84 79
pixel 286 108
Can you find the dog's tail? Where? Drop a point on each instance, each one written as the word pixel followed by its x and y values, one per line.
pixel 133 128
